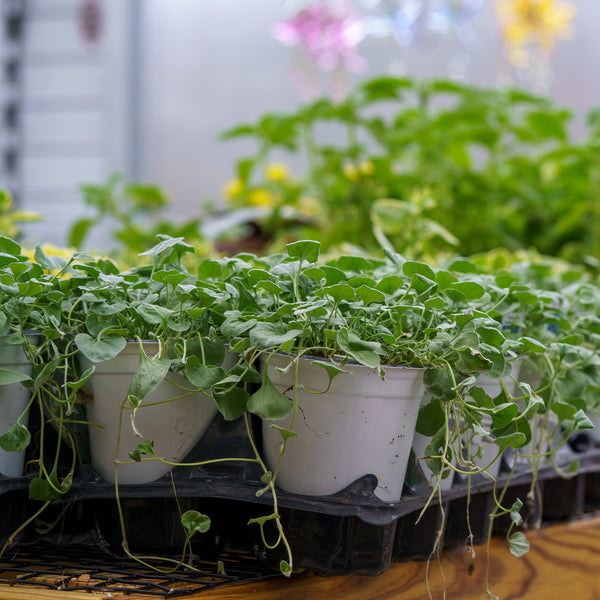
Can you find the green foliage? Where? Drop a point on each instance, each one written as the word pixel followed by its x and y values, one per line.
pixel 268 402
pixel 462 322
pixel 195 522
pixel 519 545
pixel 131 210
pixel 97 350
pixel 16 439
pixel 432 166
pixel 10 219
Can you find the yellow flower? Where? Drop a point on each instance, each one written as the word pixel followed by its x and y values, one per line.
pixel 350 171
pixel 353 172
pixel 276 172
pixel 52 250
pixel 367 167
pixel 233 188
pixel 309 206
pixel 261 197
pixel 537 21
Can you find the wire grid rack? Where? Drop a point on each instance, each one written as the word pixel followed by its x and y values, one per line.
pixel 91 570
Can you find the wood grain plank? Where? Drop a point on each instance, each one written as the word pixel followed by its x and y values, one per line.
pixel 32 593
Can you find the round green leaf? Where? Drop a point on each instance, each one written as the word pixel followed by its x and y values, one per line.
pixel 195 522
pixel 16 439
pixel 304 250
pixel 97 350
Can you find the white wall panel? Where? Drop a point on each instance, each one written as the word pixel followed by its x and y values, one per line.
pixel 56 81
pixel 51 172
pixel 47 39
pixel 64 127
pixel 53 9
pixel 77 125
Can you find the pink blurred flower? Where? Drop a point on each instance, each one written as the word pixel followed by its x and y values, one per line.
pixel 328 34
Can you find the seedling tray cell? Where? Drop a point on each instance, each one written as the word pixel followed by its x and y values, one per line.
pixel 13 512
pixel 416 540
pixel 478 510
pixel 153 525
pixel 563 498
pixel 331 545
pixel 530 512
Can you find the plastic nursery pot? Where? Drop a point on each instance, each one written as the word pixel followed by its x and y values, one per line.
pixel 420 442
pixel 174 425
pixel 531 456
pixel 483 451
pixel 492 387
pixel 13 401
pixel 364 424
pixel 594 434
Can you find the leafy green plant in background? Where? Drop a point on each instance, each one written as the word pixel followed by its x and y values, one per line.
pixel 435 166
pixel 10 219
pixel 131 212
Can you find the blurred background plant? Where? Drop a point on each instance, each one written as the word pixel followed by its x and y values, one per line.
pixel 134 213
pixel 531 29
pixel 427 166
pixel 10 218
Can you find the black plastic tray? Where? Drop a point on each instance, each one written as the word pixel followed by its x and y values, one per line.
pixel 349 532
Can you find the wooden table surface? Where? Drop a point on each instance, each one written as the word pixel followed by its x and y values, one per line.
pixel 564 562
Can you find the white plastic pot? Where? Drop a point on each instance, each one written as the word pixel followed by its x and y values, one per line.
pixel 175 426
pixel 492 387
pixel 420 442
pixel 541 425
pixel 13 401
pixel 594 434
pixel 362 425
pixel 488 451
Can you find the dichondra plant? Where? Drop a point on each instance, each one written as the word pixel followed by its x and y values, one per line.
pixel 458 323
